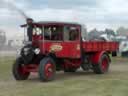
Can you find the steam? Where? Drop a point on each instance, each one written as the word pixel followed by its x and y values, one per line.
pixel 11 6
pixel 21 12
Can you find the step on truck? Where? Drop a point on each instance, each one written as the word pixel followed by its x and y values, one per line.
pixel 58 46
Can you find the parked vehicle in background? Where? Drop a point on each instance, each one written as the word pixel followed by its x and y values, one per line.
pixel 123 48
pixel 107 35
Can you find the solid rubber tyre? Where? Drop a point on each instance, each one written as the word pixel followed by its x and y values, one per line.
pixel 47 69
pixel 102 66
pixel 17 70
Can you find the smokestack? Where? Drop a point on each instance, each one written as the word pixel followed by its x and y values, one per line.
pixel 29 21
pixel 29 28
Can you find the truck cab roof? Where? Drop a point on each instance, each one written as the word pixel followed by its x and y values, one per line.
pixel 40 23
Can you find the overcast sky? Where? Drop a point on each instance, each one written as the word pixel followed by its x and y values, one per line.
pixel 93 13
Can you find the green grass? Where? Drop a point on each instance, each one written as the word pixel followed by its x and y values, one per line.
pixel 114 83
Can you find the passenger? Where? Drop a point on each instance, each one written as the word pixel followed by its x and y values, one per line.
pixel 73 35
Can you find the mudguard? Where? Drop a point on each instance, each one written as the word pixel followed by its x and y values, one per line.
pixel 95 58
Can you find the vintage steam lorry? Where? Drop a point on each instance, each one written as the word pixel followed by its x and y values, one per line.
pixel 55 46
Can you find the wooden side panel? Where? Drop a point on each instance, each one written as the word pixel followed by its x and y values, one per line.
pixel 95 46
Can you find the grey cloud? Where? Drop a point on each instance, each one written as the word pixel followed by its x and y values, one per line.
pixel 2 4
pixel 87 11
pixel 61 4
pixel 71 3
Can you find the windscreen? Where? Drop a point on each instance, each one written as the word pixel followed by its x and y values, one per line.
pixel 53 32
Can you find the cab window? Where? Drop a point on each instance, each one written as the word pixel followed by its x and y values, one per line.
pixel 53 32
pixel 71 33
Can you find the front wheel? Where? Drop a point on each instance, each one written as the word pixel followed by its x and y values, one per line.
pixel 18 70
pixel 103 65
pixel 47 69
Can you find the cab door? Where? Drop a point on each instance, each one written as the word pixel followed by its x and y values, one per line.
pixel 72 41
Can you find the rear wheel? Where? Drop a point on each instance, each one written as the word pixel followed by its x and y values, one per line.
pixel 18 70
pixel 103 65
pixel 47 69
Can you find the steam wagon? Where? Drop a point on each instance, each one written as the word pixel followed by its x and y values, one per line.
pixel 56 46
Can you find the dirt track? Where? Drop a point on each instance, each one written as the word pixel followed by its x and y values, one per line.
pixel 119 64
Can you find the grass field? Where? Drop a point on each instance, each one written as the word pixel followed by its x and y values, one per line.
pixel 114 83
